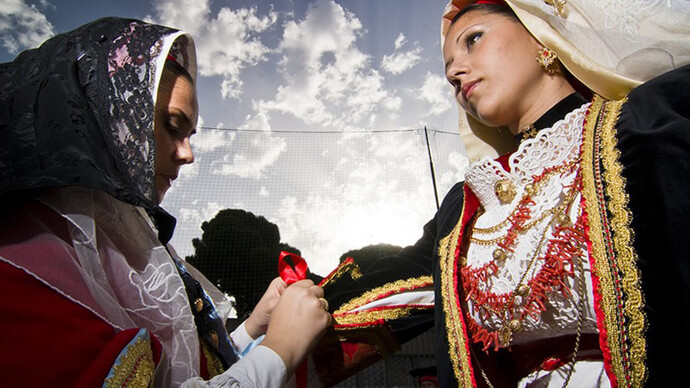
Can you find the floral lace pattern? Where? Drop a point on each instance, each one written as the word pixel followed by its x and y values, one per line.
pixel 132 70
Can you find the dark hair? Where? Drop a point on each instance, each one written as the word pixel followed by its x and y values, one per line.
pixel 499 9
pixel 177 69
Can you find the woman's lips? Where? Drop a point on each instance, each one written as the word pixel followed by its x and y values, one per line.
pixel 468 89
pixel 168 178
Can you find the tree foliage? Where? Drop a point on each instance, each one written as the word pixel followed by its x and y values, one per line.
pixel 238 251
pixel 366 256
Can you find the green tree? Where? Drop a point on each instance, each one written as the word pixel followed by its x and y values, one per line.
pixel 238 251
pixel 366 256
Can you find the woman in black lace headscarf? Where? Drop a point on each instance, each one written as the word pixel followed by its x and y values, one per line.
pixel 94 127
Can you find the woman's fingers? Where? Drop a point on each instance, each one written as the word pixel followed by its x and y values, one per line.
pixel 257 323
pixel 298 321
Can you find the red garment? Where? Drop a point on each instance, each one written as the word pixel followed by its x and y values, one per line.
pixel 51 341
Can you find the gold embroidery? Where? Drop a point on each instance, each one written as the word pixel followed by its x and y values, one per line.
pixel 213 363
pixel 600 266
pixel 558 7
pixel 457 342
pixel 360 317
pixel 385 290
pixel 134 366
pixel 622 239
pixel 603 116
pixel 347 266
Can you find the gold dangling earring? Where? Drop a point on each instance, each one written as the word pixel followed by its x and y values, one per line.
pixel 547 60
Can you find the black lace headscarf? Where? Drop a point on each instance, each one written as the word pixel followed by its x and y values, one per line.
pixel 78 110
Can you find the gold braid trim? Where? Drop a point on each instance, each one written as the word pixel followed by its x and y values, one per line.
pixel 599 256
pixel 348 266
pixel 134 365
pixel 213 363
pixel 457 341
pixel 622 240
pixel 385 290
pixel 613 258
pixel 360 317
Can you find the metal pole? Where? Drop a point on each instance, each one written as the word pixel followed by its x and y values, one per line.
pixel 431 166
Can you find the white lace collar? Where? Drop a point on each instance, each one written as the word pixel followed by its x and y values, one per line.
pixel 551 147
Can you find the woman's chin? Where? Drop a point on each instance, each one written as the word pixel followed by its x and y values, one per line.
pixel 161 194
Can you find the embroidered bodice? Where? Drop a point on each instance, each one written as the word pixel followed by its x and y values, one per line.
pixel 526 256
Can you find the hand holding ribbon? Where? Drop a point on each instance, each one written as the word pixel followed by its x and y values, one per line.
pixel 293 268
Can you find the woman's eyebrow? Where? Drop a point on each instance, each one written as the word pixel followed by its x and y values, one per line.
pixel 457 39
pixel 173 111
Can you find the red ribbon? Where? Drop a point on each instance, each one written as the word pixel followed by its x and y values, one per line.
pixel 290 273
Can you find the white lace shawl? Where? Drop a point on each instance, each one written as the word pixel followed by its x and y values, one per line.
pixel 131 280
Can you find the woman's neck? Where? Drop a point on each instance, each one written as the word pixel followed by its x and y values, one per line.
pixel 550 94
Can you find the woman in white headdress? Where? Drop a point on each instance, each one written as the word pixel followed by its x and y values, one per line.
pixel 562 258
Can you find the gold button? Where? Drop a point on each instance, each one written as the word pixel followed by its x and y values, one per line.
pixel 505 335
pixel 515 325
pixel 463 261
pixel 563 219
pixel 499 254
pixel 505 190
pixel 198 304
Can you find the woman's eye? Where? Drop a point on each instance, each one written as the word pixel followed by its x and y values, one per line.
pixel 174 129
pixel 472 38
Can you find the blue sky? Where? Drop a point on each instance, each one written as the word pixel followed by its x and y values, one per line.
pixel 309 66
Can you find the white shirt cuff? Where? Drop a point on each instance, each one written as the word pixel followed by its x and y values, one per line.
pixel 241 339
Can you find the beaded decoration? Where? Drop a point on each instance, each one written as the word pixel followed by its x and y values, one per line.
pixel 557 255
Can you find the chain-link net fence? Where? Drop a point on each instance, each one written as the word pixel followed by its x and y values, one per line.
pixel 323 195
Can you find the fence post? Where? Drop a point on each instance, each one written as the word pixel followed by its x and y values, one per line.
pixel 431 166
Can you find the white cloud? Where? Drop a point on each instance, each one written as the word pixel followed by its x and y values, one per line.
pixel 400 41
pixel 210 140
pixel 251 155
pixel 226 43
pixel 357 210
pixel 22 26
pixel 458 164
pixel 328 80
pixel 196 215
pixel 399 62
pixel 435 91
pixel 255 152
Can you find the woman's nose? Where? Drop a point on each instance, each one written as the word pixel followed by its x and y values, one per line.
pixel 455 69
pixel 184 153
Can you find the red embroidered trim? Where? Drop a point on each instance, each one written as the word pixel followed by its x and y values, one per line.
pixel 596 288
